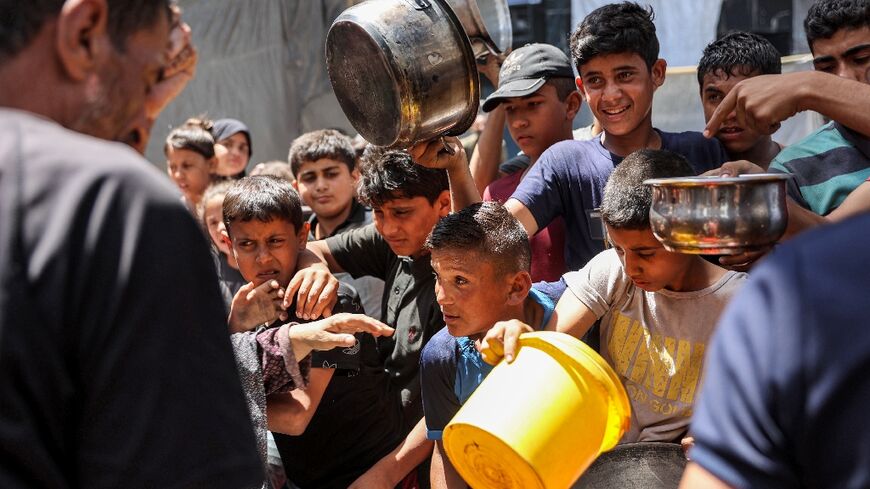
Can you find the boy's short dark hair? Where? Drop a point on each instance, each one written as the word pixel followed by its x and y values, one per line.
pixel 263 198
pixel 826 17
pixel 616 28
pixel 563 86
pixel 627 200
pixel 391 174
pixel 276 168
pixel 739 53
pixel 325 143
pixel 488 229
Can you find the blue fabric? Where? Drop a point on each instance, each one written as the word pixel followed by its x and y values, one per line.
pixel 451 368
pixel 568 181
pixel 785 397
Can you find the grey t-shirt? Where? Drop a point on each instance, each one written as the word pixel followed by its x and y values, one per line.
pixel 116 368
pixel 655 341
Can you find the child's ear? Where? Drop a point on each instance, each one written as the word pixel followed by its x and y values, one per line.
pixel 302 236
pixel 659 68
pixel 354 175
pixel 443 203
pixel 574 102
pixel 520 283
pixel 579 82
pixel 212 164
pixel 295 184
pixel 225 238
pixel 82 35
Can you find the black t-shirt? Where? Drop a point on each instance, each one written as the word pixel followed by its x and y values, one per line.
pixel 116 368
pixel 409 306
pixel 356 422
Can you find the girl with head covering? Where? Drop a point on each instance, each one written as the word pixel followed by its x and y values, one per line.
pixel 233 147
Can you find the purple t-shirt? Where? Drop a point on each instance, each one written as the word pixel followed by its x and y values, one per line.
pixel 568 180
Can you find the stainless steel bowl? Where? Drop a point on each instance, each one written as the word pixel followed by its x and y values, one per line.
pixel 716 215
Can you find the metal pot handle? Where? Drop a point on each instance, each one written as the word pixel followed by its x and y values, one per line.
pixel 419 4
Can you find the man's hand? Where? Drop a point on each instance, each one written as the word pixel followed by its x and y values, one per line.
pixel 333 332
pixel 433 154
pixel 744 261
pixel 760 103
pixel 253 306
pixel 503 341
pixel 315 290
pixel 180 68
pixel 733 169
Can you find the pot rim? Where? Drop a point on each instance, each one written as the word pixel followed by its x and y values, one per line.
pixel 711 181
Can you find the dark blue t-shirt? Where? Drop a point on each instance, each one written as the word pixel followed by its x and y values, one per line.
pixel 787 389
pixel 568 181
pixel 451 368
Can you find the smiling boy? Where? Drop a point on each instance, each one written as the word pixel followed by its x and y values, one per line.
pixel 725 63
pixel 615 51
pixel 481 257
pixel 656 308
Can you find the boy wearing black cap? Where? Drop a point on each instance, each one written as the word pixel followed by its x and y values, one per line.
pixel 538 98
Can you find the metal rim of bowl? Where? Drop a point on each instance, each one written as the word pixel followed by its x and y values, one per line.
pixel 708 181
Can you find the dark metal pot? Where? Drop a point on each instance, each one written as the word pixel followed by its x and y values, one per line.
pixel 403 71
pixel 718 215
pixel 487 24
pixel 643 465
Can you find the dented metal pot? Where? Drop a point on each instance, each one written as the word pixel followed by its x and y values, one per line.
pixel 403 71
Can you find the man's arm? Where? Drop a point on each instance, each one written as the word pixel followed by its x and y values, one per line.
pixel 394 466
pixel 443 474
pixel 762 102
pixel 432 154
pixel 487 153
pixel 695 477
pixel 524 215
pixel 290 413
pixel 485 160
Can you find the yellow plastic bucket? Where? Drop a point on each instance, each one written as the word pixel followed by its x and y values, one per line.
pixel 540 421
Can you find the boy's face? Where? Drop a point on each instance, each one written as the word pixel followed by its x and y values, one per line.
pixel 190 171
pixel 405 223
pixel 266 250
pixel 539 120
pixel 235 158
pixel 846 54
pixel 213 215
pixel 327 186
pixel 715 86
pixel 650 266
pixel 472 294
pixel 619 90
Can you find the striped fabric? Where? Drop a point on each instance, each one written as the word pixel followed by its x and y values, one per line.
pixel 827 165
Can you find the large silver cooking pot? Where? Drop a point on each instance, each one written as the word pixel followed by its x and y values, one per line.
pixel 403 71
pixel 719 215
pixel 487 24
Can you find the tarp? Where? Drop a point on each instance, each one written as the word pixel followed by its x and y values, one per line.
pixel 262 62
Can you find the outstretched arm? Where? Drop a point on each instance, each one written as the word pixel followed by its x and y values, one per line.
pixel 763 102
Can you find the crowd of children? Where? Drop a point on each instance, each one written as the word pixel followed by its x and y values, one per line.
pixel 399 248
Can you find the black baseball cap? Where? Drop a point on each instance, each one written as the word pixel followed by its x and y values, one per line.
pixel 526 70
